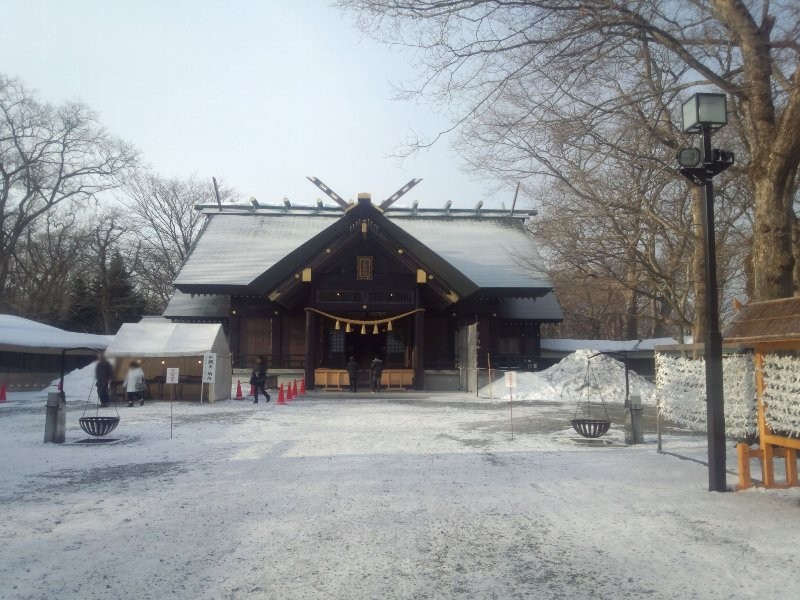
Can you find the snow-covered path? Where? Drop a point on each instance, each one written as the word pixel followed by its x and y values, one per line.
pixel 404 498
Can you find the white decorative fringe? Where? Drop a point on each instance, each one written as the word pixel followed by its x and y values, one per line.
pixel 681 392
pixel 782 393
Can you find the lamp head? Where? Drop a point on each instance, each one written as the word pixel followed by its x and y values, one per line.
pixel 689 157
pixel 704 109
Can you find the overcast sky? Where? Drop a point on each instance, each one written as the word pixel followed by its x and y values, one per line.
pixel 261 93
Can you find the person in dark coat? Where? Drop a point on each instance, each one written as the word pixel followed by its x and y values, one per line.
pixel 352 373
pixel 258 379
pixel 375 372
pixel 103 374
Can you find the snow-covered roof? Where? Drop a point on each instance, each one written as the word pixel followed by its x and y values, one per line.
pixel 564 345
pixel 23 335
pixel 234 249
pixel 154 338
pixel 201 306
pixel 492 253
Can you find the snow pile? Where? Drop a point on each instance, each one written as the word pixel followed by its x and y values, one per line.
pixel 681 392
pixel 782 393
pixel 79 384
pixel 578 379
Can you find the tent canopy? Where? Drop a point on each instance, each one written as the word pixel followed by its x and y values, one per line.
pixel 156 338
pixel 163 344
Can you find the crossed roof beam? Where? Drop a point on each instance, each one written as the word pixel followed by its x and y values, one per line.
pixel 383 205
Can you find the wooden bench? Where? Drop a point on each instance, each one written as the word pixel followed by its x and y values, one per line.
pixel 766 456
pixel 397 379
pixel 328 379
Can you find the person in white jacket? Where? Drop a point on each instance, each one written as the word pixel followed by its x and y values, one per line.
pixel 135 385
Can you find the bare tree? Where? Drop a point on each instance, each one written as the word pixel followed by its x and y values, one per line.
pixel 45 261
pixel 555 62
pixel 167 225
pixel 49 156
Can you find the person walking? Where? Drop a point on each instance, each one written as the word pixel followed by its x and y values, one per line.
pixel 103 374
pixel 258 379
pixel 135 384
pixel 352 373
pixel 375 372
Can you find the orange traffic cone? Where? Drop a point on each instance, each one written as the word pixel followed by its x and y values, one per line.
pixel 252 391
pixel 280 395
pixel 289 396
pixel 3 393
pixel 294 390
pixel 303 386
pixel 239 390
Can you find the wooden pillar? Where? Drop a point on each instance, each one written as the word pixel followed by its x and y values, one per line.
pixel 311 342
pixel 234 333
pixel 275 343
pixel 419 344
pixel 494 333
pixel 537 340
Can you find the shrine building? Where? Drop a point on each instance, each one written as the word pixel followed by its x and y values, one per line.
pixel 435 293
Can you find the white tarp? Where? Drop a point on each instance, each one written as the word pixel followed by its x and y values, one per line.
pixel 24 335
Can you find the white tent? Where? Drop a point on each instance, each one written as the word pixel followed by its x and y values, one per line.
pixel 161 344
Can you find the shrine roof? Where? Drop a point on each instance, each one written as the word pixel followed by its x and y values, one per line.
pixel 241 248
pixel 544 308
pixel 186 306
pixel 770 320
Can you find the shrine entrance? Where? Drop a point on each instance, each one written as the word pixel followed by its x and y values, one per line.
pixel 365 347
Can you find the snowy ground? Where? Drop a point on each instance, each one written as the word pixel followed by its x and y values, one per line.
pixel 405 496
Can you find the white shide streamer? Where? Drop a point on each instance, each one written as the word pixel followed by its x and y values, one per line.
pixel 681 392
pixel 782 393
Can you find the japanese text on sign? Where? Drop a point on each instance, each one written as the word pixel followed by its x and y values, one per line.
pixel 511 379
pixel 209 367
pixel 172 375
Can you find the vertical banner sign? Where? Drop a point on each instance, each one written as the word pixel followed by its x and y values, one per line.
pixel 209 372
pixel 511 383
pixel 209 367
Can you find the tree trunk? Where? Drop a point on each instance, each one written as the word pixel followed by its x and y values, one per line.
pixel 796 253
pixel 773 261
pixel 631 327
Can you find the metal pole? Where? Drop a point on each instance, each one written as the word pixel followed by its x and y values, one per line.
pixel 715 403
pixel 627 379
pixel 489 365
pixel 511 410
pixel 658 426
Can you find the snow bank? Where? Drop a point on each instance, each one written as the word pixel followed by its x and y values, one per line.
pixel 79 384
pixel 567 381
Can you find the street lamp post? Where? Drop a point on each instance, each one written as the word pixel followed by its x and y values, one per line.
pixel 703 114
